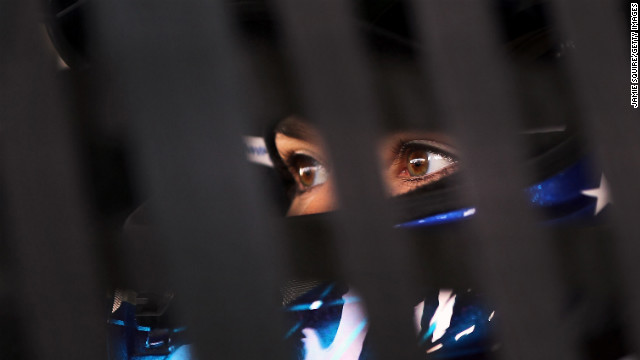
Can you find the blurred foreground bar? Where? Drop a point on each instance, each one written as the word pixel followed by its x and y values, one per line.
pixel 518 268
pixel 180 68
pixel 599 71
pixel 57 281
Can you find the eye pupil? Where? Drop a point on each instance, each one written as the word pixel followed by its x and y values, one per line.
pixel 418 163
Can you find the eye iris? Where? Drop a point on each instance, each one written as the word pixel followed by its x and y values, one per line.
pixel 418 163
pixel 308 172
pixel 307 175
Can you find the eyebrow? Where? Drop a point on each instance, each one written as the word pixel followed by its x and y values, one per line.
pixel 294 127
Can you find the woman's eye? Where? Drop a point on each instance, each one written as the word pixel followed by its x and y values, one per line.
pixel 308 171
pixel 419 161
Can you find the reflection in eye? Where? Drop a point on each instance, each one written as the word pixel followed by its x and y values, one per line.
pixel 307 171
pixel 423 161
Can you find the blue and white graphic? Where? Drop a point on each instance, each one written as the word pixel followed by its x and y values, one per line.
pixel 567 195
pixel 601 193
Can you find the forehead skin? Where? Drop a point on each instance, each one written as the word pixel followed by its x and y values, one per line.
pixel 295 127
